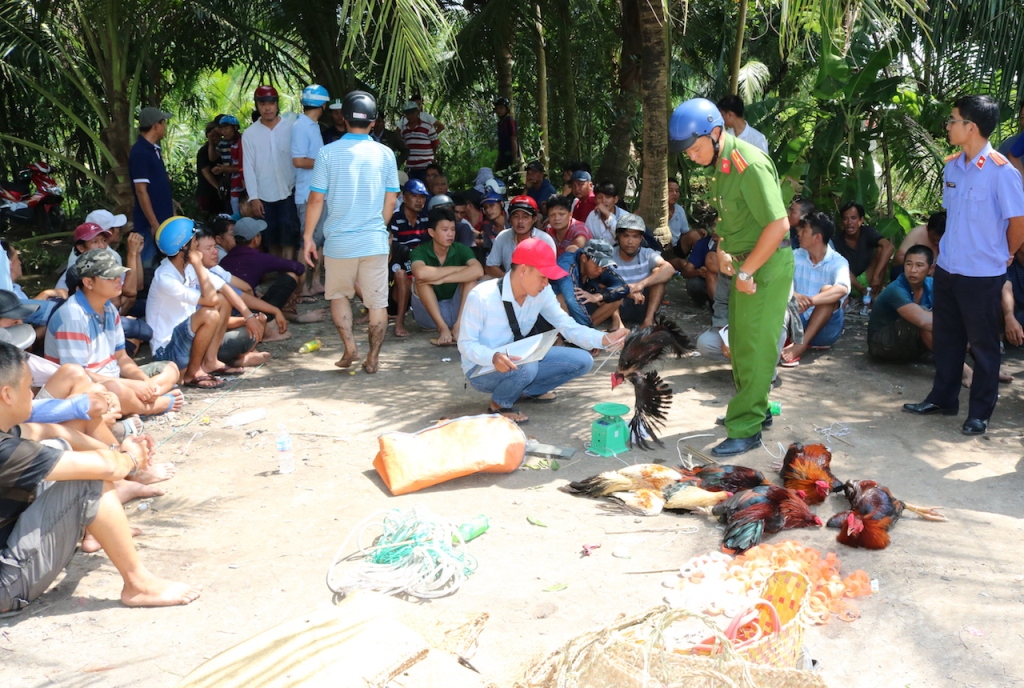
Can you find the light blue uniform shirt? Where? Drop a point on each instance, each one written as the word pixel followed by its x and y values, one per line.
pixel 354 173
pixel 980 196
pixel 307 140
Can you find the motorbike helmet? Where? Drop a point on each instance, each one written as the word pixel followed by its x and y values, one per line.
pixel 491 197
pixel 40 167
pixel 523 203
pixel 497 186
pixel 228 119
pixel 695 118
pixel 313 96
pixel 173 234
pixel 440 201
pixel 416 188
pixel 501 101
pixel 359 107
pixel 265 94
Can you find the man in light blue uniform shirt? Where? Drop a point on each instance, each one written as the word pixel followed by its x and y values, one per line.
pixel 984 202
pixel 307 140
pixel 356 178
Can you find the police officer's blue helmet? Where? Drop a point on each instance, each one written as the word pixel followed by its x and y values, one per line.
pixel 313 96
pixel 416 188
pixel 174 233
pixel 695 118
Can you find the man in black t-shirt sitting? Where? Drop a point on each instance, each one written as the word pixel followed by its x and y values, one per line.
pixel 49 495
pixel 866 251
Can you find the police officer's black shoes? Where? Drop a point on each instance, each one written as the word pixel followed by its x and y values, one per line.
pixel 975 426
pixel 925 408
pixel 736 445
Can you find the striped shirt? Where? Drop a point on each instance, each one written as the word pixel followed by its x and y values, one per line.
pixel 354 174
pixel 640 268
pixel 24 465
pixel 808 278
pixel 406 233
pixel 420 139
pixel 78 334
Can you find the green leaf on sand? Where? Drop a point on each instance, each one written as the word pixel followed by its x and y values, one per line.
pixel 536 521
pixel 557 588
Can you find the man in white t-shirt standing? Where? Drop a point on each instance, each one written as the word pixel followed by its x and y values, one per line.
pixel 270 175
pixel 732 109
pixel 424 115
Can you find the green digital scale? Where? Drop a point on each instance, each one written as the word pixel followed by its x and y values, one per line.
pixel 609 434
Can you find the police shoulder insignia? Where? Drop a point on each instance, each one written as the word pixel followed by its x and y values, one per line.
pixel 951 157
pixel 998 158
pixel 739 161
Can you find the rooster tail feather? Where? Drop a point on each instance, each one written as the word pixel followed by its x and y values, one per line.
pixel 740 537
pixel 653 397
pixel 679 343
pixel 928 513
pixel 838 520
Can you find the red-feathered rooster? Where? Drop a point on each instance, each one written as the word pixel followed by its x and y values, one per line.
pixel 750 514
pixel 874 512
pixel 808 469
pixel 653 396
pixel 723 477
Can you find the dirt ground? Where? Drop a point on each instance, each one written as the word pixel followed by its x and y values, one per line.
pixel 947 613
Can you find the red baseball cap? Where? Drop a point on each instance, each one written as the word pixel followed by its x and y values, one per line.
pixel 88 231
pixel 537 254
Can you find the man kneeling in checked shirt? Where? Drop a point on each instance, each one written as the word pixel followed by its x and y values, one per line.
pixel 522 304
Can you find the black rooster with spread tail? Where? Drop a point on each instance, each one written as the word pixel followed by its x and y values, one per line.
pixel 642 348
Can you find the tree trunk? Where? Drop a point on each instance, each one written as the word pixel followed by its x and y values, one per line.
pixel 654 80
pixel 615 164
pixel 737 51
pixel 503 62
pixel 542 88
pixel 567 78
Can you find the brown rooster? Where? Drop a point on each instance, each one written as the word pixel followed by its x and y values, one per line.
pixel 874 512
pixel 750 514
pixel 723 477
pixel 808 469
pixel 641 349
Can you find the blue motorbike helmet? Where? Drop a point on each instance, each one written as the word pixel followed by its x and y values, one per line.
pixel 416 188
pixel 173 234
pixel 492 197
pixel 695 118
pixel 313 96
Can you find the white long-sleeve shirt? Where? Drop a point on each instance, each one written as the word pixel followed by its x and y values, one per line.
pixel 601 228
pixel 484 328
pixel 268 169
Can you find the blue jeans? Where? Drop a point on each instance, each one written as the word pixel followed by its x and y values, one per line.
pixel 565 288
pixel 830 332
pixel 533 379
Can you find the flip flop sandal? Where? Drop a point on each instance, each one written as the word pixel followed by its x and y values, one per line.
pixel 504 411
pixel 790 364
pixel 228 370
pixel 540 399
pixel 436 342
pixel 196 383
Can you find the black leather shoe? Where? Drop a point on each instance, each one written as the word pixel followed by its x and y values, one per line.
pixel 975 426
pixel 925 408
pixel 736 445
pixel 767 420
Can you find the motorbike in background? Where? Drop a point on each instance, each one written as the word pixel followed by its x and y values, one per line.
pixel 34 199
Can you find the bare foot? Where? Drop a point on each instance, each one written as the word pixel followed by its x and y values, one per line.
pixel 91 544
pixel 312 316
pixel 158 592
pixel 172 401
pixel 273 334
pixel 347 359
pixel 513 416
pixel 444 338
pixel 793 352
pixel 371 367
pixel 400 330
pixel 250 359
pixel 967 377
pixel 127 490
pixel 1005 378
pixel 156 473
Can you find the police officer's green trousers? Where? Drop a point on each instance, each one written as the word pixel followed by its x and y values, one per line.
pixel 755 321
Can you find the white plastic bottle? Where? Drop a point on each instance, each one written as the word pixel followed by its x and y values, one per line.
pixel 285 458
pixel 866 308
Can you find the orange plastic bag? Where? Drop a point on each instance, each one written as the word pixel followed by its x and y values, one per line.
pixel 408 462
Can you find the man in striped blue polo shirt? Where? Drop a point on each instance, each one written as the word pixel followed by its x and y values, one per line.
pixel 355 180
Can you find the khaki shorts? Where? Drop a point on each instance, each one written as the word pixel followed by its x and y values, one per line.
pixel 370 272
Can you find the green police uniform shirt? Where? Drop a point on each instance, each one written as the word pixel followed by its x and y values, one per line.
pixel 745 192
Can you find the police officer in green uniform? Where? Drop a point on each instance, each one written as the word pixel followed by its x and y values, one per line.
pixel 752 222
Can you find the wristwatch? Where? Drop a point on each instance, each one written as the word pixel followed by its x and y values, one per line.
pixel 743 276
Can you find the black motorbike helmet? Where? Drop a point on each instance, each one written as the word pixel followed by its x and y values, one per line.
pixel 359 108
